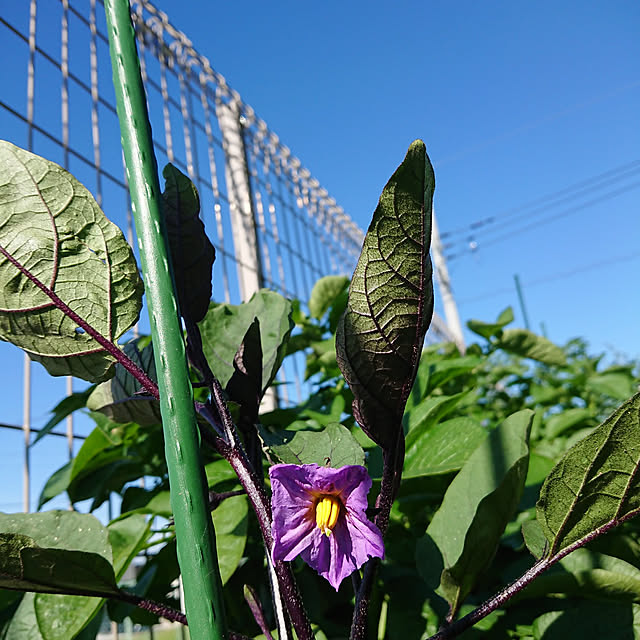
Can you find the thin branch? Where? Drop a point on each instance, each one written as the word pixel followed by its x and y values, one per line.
pixel 164 611
pixel 216 499
pixel 523 581
pixel 253 601
pixel 105 343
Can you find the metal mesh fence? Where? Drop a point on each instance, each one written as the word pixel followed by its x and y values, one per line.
pixel 270 221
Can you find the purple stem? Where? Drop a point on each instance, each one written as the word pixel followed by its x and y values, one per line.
pixel 260 503
pixel 251 597
pixel 235 456
pixel 391 473
pixel 107 344
pixel 166 612
pixel 523 581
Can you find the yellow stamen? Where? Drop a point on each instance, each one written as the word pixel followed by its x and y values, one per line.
pixel 327 512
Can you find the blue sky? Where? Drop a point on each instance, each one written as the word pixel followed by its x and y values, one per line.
pixel 530 116
pixel 514 100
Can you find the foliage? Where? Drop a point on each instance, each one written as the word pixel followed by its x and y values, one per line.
pixel 519 456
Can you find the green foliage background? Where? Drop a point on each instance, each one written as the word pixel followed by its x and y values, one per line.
pixel 456 408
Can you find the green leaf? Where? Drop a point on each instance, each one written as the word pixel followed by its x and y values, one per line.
pixel 245 385
pixel 192 254
pixel 443 448
pixel 596 483
pixel 380 336
pixel 463 535
pixel 126 537
pixel 584 573
pixel 231 520
pixel 64 408
pixel 439 373
pixel 590 620
pixel 93 454
pixel 63 551
pixel 111 455
pixel 219 471
pixel 225 326
pixel 51 226
pixel 60 530
pixel 324 293
pixel 429 412
pixel 534 538
pixel 333 447
pixel 63 616
pixel 490 329
pixel 526 344
pixel 617 385
pixel 55 552
pixel 123 398
pixel 561 422
pixel 140 501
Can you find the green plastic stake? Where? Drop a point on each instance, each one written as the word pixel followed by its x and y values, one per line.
pixel 194 528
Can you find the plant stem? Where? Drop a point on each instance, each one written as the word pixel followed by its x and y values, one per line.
pixel 260 503
pixel 105 343
pixel 523 581
pixel 391 473
pixel 166 612
pixel 253 601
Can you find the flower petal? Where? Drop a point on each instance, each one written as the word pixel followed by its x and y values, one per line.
pixel 354 538
pixel 366 539
pixel 292 506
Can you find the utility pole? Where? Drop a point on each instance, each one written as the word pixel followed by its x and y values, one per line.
pixel 523 308
pixel 444 284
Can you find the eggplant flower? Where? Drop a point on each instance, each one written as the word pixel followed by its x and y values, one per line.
pixel 319 513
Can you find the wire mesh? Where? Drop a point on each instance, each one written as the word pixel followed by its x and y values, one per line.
pixel 62 106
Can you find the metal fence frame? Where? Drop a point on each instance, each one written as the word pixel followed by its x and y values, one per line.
pixel 271 222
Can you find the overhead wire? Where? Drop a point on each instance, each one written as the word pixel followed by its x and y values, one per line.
pixel 574 190
pixel 560 275
pixel 552 218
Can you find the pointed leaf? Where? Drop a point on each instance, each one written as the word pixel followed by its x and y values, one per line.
pixel 429 412
pixel 324 293
pixel 225 326
pixel 464 533
pixel 490 329
pixel 380 336
pixel 333 447
pixel 561 422
pixel 64 408
pixel 596 485
pixel 192 254
pixel 534 538
pixel 123 399
pixel 245 385
pixel 529 345
pixel 52 227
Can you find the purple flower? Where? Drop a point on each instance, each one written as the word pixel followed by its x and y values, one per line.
pixel 319 513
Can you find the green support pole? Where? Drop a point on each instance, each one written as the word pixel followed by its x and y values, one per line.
pixel 194 528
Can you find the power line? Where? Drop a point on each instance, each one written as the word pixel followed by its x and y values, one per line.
pixel 540 222
pixel 561 275
pixel 575 190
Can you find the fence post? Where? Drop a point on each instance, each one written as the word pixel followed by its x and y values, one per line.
pixel 243 224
